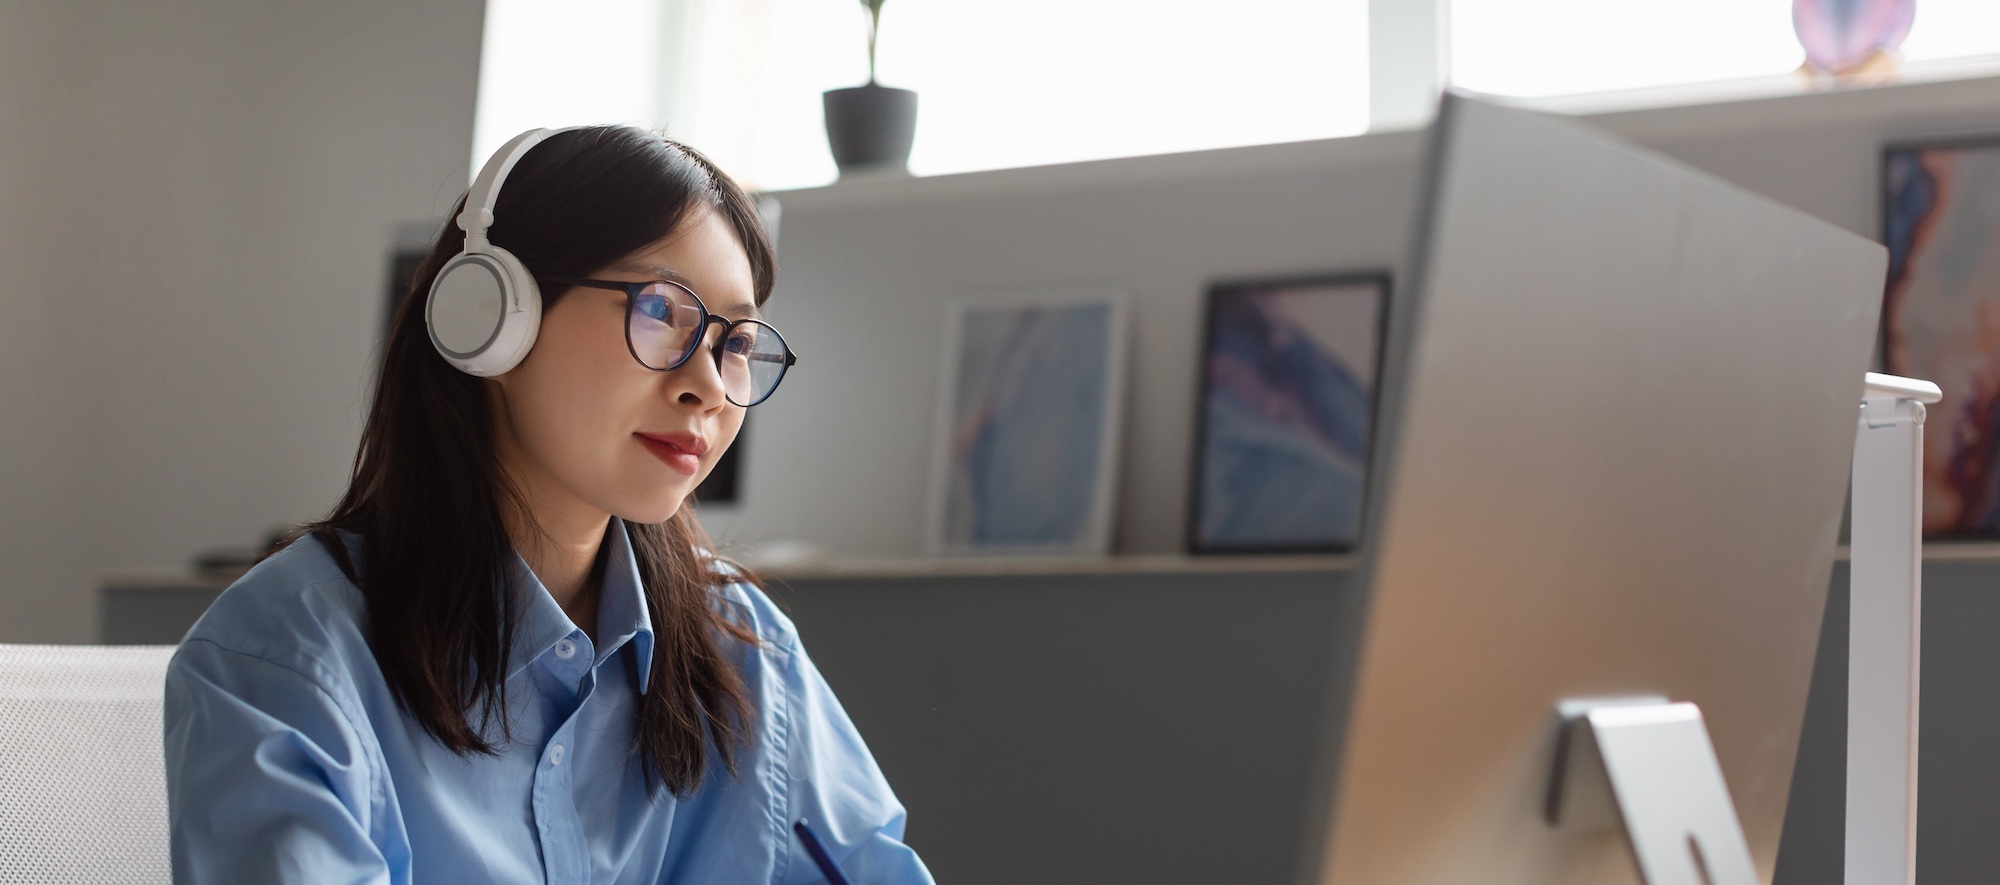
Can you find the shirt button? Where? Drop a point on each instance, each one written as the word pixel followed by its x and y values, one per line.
pixel 556 754
pixel 565 649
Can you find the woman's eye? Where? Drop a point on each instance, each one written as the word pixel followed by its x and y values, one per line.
pixel 740 344
pixel 652 306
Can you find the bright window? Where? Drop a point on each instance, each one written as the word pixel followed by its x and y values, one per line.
pixel 1003 83
pixel 558 64
pixel 1536 48
pixel 1953 29
pixel 1000 83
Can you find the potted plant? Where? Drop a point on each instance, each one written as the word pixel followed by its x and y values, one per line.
pixel 870 127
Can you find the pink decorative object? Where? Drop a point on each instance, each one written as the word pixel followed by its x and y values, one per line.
pixel 1839 36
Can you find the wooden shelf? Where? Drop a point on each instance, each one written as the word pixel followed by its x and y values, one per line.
pixel 1008 566
pixel 942 567
pixel 170 578
pixel 1001 566
pixel 1946 551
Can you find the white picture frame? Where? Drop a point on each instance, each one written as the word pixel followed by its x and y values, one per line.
pixel 1013 474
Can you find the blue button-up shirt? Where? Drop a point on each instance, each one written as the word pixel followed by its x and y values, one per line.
pixel 288 761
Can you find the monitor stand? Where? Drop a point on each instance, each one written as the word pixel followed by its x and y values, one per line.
pixel 1646 764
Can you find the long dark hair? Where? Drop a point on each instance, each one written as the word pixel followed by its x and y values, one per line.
pixel 427 493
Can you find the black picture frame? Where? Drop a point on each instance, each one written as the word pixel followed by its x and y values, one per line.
pixel 402 273
pixel 1203 542
pixel 723 484
pixel 1973 465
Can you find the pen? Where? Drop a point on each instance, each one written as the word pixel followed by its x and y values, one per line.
pixel 820 858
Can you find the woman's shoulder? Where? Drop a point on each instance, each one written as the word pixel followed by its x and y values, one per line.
pixel 745 602
pixel 296 609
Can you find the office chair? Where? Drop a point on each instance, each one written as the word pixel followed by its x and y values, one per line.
pixel 83 793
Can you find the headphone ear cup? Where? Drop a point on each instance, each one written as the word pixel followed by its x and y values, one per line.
pixel 483 312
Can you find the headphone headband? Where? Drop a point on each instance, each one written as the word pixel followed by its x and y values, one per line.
pixel 485 191
pixel 484 309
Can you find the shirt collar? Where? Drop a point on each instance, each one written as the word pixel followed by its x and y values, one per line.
pixel 622 615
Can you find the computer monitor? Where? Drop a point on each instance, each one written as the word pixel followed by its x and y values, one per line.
pixel 1619 405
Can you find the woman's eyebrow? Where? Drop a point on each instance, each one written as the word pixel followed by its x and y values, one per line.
pixel 656 271
pixel 747 311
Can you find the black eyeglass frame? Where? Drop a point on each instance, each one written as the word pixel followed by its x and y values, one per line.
pixel 632 292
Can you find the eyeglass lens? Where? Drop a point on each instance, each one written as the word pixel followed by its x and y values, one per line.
pixel 663 325
pixel 751 361
pixel 666 323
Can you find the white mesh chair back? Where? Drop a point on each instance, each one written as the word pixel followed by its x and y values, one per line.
pixel 83 791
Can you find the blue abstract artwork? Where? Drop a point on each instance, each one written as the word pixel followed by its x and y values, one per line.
pixel 1025 454
pixel 1286 414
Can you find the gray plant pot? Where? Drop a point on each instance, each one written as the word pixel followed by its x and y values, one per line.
pixel 870 127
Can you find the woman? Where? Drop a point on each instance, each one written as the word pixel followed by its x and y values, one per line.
pixel 509 654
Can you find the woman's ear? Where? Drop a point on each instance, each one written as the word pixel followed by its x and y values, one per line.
pixel 495 389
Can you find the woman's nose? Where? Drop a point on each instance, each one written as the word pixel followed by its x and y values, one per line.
pixel 698 381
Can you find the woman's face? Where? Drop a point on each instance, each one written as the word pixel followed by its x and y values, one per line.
pixel 583 427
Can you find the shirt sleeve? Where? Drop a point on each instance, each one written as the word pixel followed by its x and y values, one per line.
pixel 267 778
pixel 838 790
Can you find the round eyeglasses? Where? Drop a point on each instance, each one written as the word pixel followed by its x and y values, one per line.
pixel 665 324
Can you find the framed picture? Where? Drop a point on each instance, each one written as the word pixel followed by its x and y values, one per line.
pixel 410 243
pixel 1026 444
pixel 403 264
pixel 721 484
pixel 1286 413
pixel 1941 320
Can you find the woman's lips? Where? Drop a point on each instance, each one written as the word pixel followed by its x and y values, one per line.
pixel 680 451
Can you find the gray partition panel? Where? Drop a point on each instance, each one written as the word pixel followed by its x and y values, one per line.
pixel 1086 729
pixel 1958 786
pixel 1158 729
pixel 155 613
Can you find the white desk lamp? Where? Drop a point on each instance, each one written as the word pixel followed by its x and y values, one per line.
pixel 1885 630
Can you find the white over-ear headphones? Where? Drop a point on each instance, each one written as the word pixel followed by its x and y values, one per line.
pixel 484 308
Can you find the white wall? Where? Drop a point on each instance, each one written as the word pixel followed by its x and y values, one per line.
pixel 838 457
pixel 196 198
pixel 196 202
pixel 40 547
